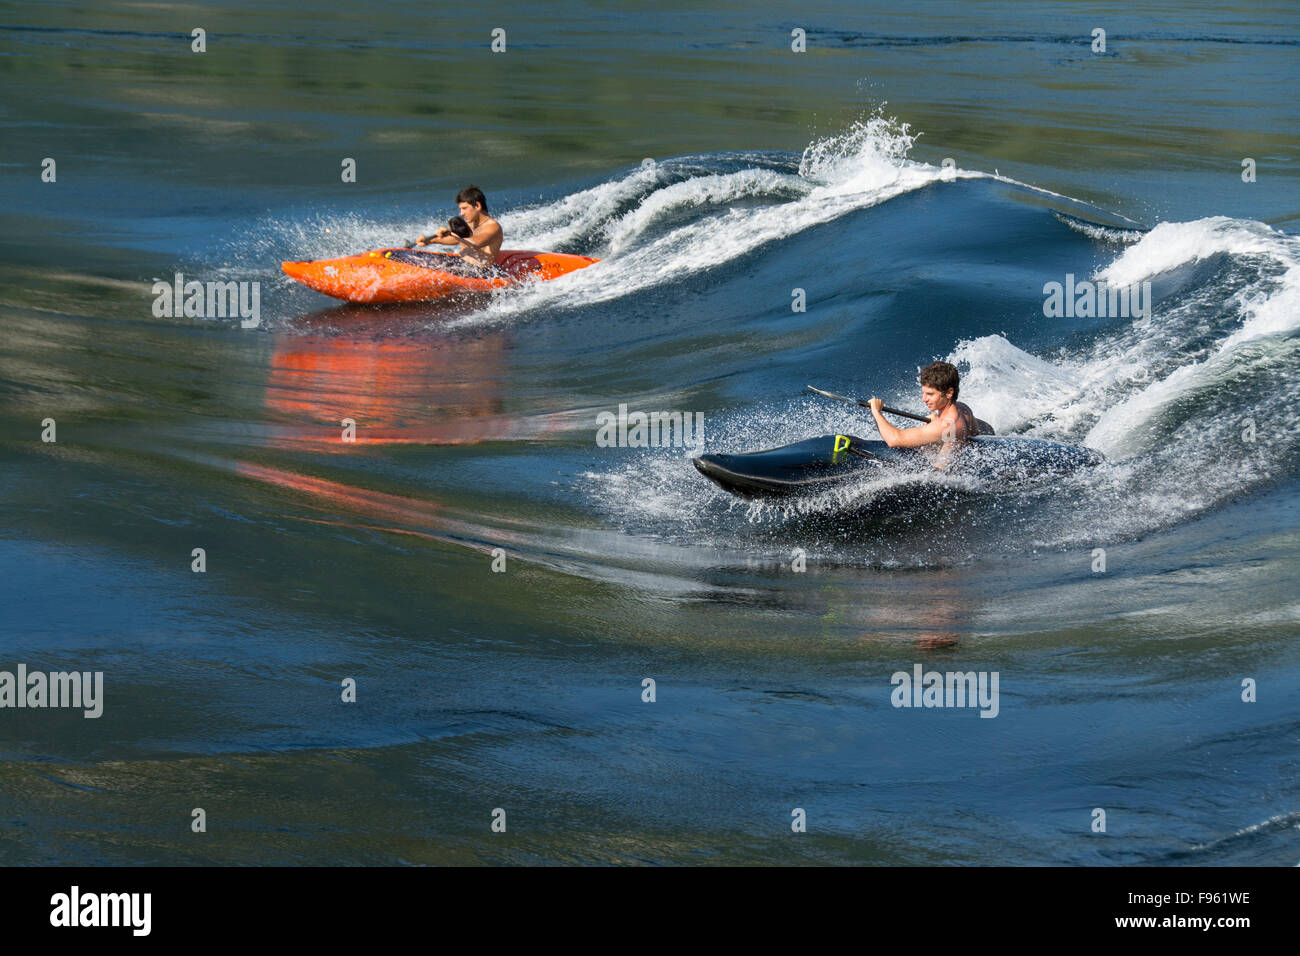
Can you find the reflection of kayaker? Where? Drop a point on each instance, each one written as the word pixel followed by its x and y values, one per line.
pixel 483 241
pixel 413 388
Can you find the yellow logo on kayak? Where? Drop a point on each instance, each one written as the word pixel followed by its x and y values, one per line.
pixel 841 445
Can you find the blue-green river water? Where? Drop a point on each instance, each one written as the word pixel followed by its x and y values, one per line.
pixel 913 178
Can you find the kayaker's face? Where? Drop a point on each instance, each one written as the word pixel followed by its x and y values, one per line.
pixel 469 213
pixel 934 399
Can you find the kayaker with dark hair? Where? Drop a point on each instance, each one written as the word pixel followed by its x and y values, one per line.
pixel 951 422
pixel 484 242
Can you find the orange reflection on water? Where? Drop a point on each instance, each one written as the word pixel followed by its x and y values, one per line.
pixel 400 381
pixel 378 503
pixel 402 515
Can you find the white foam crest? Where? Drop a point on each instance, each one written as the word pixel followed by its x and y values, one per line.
pixel 1008 387
pixel 1114 389
pixel 1268 307
pixel 1098 232
pixel 862 167
pixel 1268 313
pixel 700 191
pixel 1121 428
pixel 1171 244
pixel 1127 427
pixel 699 246
pixel 863 156
pixel 542 228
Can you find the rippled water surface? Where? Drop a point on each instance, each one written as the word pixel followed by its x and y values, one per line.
pixel 1126 608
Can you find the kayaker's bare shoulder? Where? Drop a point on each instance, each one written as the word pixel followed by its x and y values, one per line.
pixel 962 419
pixel 489 236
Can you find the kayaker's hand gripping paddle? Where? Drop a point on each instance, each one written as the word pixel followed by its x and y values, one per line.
pixel 455 225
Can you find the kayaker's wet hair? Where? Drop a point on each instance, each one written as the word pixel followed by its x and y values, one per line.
pixel 942 376
pixel 474 196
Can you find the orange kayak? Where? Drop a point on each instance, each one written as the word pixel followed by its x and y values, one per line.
pixel 409 275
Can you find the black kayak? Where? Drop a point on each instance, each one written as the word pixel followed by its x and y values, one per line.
pixel 818 464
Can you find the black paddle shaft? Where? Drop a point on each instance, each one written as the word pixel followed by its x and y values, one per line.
pixel 883 408
pixel 981 427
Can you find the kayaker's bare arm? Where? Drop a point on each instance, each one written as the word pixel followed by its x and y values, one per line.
pixel 894 437
pixel 443 237
pixel 485 240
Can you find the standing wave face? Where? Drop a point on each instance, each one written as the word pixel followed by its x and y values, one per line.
pixel 692 217
pixel 1191 404
pixel 657 223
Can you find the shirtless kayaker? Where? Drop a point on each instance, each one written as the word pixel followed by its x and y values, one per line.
pixel 481 246
pixel 951 423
